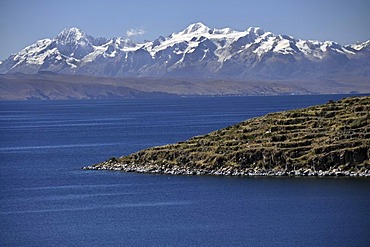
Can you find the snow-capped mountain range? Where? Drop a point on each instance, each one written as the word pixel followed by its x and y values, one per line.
pixel 196 52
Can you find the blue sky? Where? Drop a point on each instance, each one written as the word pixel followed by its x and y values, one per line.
pixel 22 22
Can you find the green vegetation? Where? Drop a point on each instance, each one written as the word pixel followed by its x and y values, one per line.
pixel 330 139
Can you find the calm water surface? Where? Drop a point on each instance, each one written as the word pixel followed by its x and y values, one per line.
pixel 47 200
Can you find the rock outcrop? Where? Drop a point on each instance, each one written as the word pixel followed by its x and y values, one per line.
pixel 326 140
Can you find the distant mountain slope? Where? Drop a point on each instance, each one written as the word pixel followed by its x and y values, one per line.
pixel 331 139
pixel 48 85
pixel 196 52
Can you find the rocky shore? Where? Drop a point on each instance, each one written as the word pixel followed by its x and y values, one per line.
pixel 114 165
pixel 326 140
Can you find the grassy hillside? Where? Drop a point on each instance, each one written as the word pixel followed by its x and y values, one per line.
pixel 330 139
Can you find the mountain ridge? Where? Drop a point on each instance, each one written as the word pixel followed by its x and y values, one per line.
pixel 196 52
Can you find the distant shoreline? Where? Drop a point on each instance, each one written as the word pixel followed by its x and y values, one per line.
pixel 47 86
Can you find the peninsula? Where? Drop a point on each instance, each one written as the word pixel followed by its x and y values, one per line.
pixel 325 140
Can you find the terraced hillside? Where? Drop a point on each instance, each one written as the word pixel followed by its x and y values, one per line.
pixel 330 139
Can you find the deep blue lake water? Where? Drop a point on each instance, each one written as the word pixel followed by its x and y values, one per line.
pixel 47 200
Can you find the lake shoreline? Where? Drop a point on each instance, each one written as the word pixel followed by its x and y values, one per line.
pixel 114 165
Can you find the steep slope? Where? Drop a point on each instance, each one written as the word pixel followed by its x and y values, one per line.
pixel 330 139
pixel 197 52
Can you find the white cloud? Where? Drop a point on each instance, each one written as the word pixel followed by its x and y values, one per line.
pixel 135 32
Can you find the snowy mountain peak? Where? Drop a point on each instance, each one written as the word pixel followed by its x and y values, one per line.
pixel 361 45
pixel 256 30
pixel 196 28
pixel 225 31
pixel 71 34
pixel 123 42
pixel 74 43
